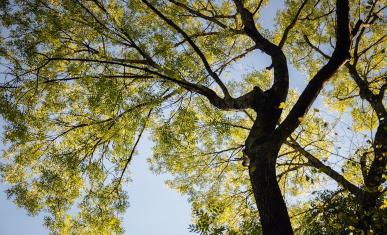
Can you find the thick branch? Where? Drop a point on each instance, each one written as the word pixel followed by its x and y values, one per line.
pixel 339 56
pixel 281 76
pixel 242 102
pixel 315 162
pixel 376 101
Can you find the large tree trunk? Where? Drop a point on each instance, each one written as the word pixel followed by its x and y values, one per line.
pixel 262 150
pixel 271 205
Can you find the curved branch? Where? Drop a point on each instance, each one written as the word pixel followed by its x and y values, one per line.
pixel 281 74
pixel 315 162
pixel 242 102
pixel 193 45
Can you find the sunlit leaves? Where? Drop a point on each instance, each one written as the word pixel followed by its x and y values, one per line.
pixel 333 213
pixel 88 77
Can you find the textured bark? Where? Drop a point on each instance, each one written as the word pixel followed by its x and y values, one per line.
pixel 262 149
pixel 271 205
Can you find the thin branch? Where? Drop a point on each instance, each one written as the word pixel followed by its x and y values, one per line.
pixel 199 14
pixel 134 76
pixel 197 35
pixel 315 162
pixel 128 160
pixel 316 48
pixel 258 7
pixel 291 25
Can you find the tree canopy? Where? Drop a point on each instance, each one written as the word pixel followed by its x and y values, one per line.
pixel 84 80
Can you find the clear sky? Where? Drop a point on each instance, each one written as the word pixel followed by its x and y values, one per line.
pixel 154 208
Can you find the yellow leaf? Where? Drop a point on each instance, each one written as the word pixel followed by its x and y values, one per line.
pixel 301 119
pixel 253 168
pixel 282 105
pixel 384 204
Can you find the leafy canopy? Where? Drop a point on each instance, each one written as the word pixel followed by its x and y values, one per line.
pixel 83 80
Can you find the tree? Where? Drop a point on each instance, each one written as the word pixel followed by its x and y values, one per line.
pixel 84 80
pixel 340 213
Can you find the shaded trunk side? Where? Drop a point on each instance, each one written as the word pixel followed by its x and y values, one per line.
pixel 271 205
pixel 374 179
pixel 262 150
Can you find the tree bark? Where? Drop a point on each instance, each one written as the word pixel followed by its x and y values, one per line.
pixel 374 179
pixel 271 205
pixel 262 150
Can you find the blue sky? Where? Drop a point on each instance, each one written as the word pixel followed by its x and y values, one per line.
pixel 154 208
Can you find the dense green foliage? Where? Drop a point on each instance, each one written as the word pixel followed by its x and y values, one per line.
pixel 82 80
pixel 337 213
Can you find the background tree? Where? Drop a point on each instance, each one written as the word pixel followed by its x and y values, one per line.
pixel 83 80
